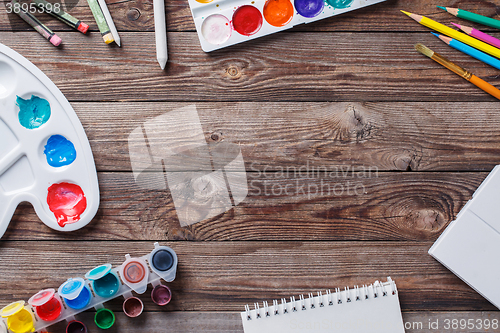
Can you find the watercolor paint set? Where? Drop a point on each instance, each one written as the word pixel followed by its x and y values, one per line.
pixel 222 23
pixel 45 156
pixel 100 285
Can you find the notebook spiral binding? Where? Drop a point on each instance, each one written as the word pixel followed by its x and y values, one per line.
pixel 356 294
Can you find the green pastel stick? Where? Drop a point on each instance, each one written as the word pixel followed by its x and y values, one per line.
pixel 469 16
pixel 61 15
pixel 101 21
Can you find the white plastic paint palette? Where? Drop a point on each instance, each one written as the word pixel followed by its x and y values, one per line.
pixel 222 23
pixel 45 157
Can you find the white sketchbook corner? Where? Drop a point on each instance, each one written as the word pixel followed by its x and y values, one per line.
pixel 470 245
pixel 366 309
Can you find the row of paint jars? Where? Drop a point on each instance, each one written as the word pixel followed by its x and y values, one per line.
pixel 103 284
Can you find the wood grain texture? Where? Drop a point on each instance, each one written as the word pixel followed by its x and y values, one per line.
pixel 387 206
pixel 337 136
pixel 227 275
pixel 327 67
pixel 134 15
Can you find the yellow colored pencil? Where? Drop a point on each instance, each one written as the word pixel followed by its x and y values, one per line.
pixel 455 34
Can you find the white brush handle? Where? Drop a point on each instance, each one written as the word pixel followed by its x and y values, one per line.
pixel 160 32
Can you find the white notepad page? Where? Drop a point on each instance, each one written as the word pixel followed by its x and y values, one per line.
pixel 367 309
pixel 470 245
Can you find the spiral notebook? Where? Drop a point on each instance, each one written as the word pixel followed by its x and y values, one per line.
pixel 470 245
pixel 367 309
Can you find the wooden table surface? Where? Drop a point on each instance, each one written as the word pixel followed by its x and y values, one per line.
pixel 344 93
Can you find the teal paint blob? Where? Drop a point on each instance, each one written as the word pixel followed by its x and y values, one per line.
pixel 33 112
pixel 106 286
pixel 340 4
pixel 59 151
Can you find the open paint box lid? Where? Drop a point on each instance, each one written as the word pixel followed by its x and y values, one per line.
pixel 98 272
pixel 135 274
pixel 12 309
pixel 72 288
pixel 41 297
pixel 163 261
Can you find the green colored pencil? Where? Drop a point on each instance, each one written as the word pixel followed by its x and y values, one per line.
pixel 61 15
pixel 463 14
pixel 101 21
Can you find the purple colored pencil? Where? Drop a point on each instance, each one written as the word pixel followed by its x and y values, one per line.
pixel 479 35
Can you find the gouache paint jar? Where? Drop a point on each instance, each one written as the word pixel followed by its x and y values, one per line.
pixel 47 306
pixel 19 319
pixel 75 293
pixel 104 318
pixel 104 282
pixel 76 326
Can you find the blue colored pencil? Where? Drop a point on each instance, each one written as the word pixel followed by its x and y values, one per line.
pixel 475 53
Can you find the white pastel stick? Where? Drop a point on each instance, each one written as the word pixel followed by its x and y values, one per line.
pixel 160 32
pixel 109 21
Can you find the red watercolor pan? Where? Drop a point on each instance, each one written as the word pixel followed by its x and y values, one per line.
pixel 247 20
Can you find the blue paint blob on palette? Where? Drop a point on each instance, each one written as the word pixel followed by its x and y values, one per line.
pixel 45 156
pixel 59 151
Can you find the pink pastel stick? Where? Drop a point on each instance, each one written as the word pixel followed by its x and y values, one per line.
pixel 479 35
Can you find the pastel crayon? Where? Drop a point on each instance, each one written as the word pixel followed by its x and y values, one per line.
pixel 101 21
pixel 37 25
pixel 62 15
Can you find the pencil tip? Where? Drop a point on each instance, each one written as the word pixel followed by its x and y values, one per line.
pixel 162 62
pixel 457 25
pixel 406 13
pixel 435 34
pixel 443 8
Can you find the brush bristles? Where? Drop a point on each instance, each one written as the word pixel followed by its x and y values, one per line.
pixel 424 50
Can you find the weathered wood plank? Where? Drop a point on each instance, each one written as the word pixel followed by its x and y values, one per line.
pixel 327 67
pixel 230 322
pixel 384 206
pixel 134 15
pixel 384 136
pixel 224 276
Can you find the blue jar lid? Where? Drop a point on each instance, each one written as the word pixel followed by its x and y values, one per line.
pixel 98 272
pixel 72 288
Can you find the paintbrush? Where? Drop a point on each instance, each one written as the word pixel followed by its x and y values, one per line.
pixel 458 70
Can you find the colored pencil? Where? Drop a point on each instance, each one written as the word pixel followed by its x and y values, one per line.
pixel 479 35
pixel 37 25
pixel 109 20
pixel 463 14
pixel 62 15
pixel 160 32
pixel 458 70
pixel 469 50
pixel 455 34
pixel 101 21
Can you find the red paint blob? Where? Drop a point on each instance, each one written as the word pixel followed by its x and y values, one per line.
pixel 247 20
pixel 50 310
pixel 67 202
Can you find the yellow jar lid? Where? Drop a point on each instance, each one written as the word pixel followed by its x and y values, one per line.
pixel 12 309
